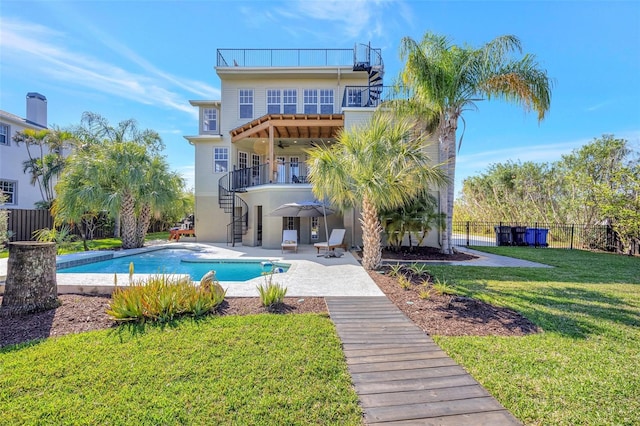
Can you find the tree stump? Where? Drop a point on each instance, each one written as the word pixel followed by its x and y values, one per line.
pixel 31 278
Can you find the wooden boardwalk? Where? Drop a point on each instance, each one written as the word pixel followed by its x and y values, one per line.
pixel 401 376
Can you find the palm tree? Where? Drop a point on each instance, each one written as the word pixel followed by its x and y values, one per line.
pixel 47 162
pixel 377 166
pixel 125 177
pixel 446 80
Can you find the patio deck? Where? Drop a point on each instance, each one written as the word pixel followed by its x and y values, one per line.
pixel 401 376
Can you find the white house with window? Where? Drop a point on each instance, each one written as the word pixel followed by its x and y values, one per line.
pixel 250 151
pixel 14 183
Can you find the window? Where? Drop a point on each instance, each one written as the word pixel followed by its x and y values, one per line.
pixel 282 101
pixel 209 119
pixel 255 168
pixel 273 101
pixel 326 101
pixel 4 134
pixel 354 97
pixel 220 160
pixel 246 103
pixel 8 189
pixel 310 101
pixel 290 101
pixel 314 227
pixel 243 158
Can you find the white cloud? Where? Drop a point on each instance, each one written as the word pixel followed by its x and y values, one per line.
pixel 354 19
pixel 33 46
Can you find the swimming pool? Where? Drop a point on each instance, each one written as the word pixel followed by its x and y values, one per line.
pixel 179 261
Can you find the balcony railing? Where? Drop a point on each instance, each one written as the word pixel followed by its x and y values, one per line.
pixel 285 173
pixel 372 96
pixel 285 57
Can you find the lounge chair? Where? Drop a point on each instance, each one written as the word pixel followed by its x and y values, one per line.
pixel 290 240
pixel 336 239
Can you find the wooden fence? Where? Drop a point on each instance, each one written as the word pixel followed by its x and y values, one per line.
pixel 22 223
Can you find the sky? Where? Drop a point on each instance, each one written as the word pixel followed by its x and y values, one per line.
pixel 146 59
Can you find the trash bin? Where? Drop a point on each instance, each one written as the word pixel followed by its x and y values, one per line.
pixel 530 236
pixel 517 235
pixel 503 235
pixel 536 237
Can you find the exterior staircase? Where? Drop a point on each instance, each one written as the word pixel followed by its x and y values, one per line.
pixel 366 58
pixel 231 203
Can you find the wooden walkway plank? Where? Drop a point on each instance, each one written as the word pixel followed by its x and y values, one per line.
pixel 401 376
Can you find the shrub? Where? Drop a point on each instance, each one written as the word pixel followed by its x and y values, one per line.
pixel 163 298
pixel 271 294
pixel 418 269
pixel 394 270
pixel 404 282
pixel 443 287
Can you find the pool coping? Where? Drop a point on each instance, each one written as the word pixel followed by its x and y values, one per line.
pixel 308 275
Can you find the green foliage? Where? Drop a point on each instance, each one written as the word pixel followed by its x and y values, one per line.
pixel 425 293
pixel 419 269
pixel 162 298
pixel 595 184
pixel 404 282
pixel 219 370
pixel 395 270
pixel 61 236
pixel 118 170
pixel 443 287
pixel 271 294
pixel 415 219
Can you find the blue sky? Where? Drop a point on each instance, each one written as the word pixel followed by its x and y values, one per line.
pixel 146 59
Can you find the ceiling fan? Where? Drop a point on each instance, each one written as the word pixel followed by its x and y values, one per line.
pixel 282 145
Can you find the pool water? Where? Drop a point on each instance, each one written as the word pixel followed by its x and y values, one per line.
pixel 178 261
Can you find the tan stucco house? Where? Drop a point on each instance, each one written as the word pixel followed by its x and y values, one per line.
pixel 250 150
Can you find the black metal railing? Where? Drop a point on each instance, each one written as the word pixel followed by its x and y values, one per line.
pixel 536 234
pixel 284 57
pixel 285 173
pixel 371 96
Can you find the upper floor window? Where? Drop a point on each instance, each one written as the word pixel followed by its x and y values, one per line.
pixel 209 119
pixel 326 101
pixel 4 134
pixel 290 101
pixel 246 103
pixel 310 101
pixel 282 101
pixel 8 189
pixel 273 101
pixel 314 104
pixel 220 160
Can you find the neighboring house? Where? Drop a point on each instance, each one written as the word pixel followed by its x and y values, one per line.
pixel 14 183
pixel 250 148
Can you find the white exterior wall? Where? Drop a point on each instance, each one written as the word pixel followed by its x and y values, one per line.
pixel 12 157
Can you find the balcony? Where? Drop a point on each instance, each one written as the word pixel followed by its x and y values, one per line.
pixel 284 174
pixel 372 96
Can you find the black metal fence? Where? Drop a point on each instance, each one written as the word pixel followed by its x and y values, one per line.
pixel 556 235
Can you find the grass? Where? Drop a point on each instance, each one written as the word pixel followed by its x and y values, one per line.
pixel 101 244
pixel 260 370
pixel 583 369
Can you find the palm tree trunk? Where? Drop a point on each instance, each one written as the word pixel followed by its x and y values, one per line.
pixel 128 219
pixel 371 231
pixel 448 157
pixel 143 224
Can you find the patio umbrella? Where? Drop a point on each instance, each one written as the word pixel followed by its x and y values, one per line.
pixel 304 209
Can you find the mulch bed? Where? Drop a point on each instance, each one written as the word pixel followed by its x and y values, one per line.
pixel 437 315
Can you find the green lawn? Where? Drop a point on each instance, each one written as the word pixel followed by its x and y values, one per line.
pixel 101 244
pixel 584 368
pixel 258 370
